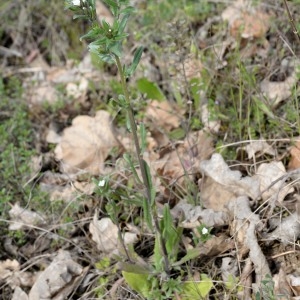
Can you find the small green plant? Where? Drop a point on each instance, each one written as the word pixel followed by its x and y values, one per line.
pixel 202 234
pixel 105 42
pixel 267 289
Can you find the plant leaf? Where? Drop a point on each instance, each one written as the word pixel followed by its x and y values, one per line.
pixel 138 282
pixel 151 89
pixel 136 59
pixel 143 135
pixel 191 254
pixel 193 290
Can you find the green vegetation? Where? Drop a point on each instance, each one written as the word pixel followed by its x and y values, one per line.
pixel 16 150
pixel 142 55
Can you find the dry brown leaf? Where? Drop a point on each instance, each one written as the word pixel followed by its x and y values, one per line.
pixel 244 229
pixel 295 157
pixel 210 123
pixel 86 144
pixel 77 90
pixel 250 25
pixel 19 294
pixel 216 245
pixel 55 281
pixel 259 146
pixel 229 268
pixel 268 173
pixel 288 230
pixel 226 180
pixel 196 215
pixel 278 91
pixel 8 267
pixel 294 282
pixel 282 288
pixel 163 115
pixel 44 93
pixel 105 235
pixel 177 161
pixel 192 68
pixel 214 195
pixel 21 217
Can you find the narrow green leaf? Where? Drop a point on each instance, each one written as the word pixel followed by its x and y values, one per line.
pixel 92 34
pixel 143 135
pixel 147 213
pixel 84 17
pixel 111 4
pixel 134 268
pixel 149 182
pixel 105 26
pixel 157 255
pixel 136 59
pixel 127 10
pixel 262 106
pixel 129 161
pixel 191 254
pixel 151 89
pixel 123 23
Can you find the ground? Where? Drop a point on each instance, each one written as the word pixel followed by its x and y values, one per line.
pixel 216 101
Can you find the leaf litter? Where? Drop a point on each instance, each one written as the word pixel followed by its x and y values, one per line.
pixel 248 212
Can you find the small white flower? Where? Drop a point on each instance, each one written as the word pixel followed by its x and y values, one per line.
pixel 101 183
pixel 204 231
pixel 76 2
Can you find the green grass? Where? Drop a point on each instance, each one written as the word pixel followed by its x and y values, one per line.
pixel 17 148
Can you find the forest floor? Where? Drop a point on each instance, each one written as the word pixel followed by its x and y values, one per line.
pixel 218 91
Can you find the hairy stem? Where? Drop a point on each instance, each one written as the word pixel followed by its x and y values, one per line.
pixel 133 127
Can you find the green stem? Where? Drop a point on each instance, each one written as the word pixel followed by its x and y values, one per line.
pixel 133 127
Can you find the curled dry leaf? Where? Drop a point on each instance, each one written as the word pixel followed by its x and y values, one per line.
pixel 229 268
pixel 21 217
pixel 226 180
pixel 175 162
pixel 294 282
pixel 44 93
pixel 196 215
pixel 164 115
pixel 211 124
pixel 57 280
pixel 295 157
pixel 86 144
pixel 244 229
pixel 19 294
pixel 250 25
pixel 77 90
pixel 268 173
pixel 288 230
pixel 105 235
pixel 276 91
pixel 259 146
pixel 7 268
pixel 281 284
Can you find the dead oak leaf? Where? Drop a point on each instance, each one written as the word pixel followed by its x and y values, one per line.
pixel 164 115
pixel 250 25
pixel 278 91
pixel 105 235
pixel 223 180
pixel 295 157
pixel 267 173
pixel 86 144
pixel 57 280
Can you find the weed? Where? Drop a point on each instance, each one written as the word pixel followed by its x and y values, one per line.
pixel 106 41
